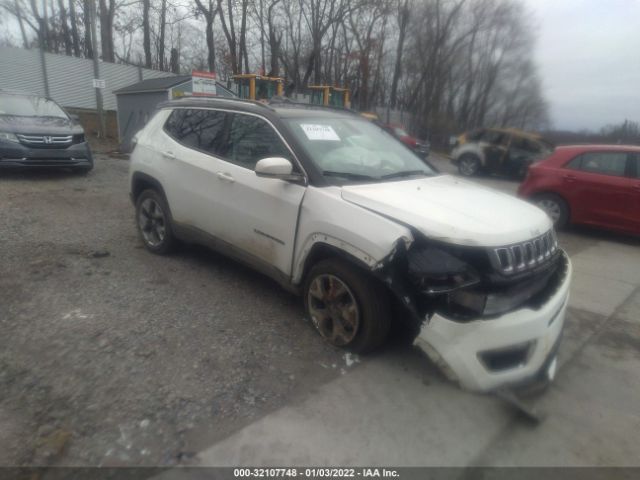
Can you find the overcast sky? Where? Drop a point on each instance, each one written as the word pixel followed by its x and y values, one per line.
pixel 588 52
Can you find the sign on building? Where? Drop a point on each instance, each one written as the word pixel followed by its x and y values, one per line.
pixel 203 83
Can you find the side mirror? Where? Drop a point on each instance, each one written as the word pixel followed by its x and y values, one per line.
pixel 277 167
pixel 75 118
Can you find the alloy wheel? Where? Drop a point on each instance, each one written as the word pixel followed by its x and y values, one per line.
pixel 151 220
pixel 333 309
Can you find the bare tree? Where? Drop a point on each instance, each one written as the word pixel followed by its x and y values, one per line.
pixel 162 28
pixel 73 20
pixel 209 12
pixel 403 16
pixel 106 16
pixel 146 33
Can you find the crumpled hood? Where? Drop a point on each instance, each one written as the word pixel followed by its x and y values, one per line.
pixel 38 125
pixel 452 210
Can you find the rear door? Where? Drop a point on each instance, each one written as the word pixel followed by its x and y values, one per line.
pixel 192 138
pixel 600 189
pixel 259 215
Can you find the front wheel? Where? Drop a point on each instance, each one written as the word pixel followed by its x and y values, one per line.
pixel 348 308
pixel 468 165
pixel 555 207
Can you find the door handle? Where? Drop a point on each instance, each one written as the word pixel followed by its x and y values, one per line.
pixel 227 177
pixel 169 155
pixel 636 188
pixel 569 178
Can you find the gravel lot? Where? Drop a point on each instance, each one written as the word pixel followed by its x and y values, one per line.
pixel 110 355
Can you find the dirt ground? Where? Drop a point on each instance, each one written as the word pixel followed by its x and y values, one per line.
pixel 110 355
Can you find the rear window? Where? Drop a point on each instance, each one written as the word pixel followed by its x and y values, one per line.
pixel 604 163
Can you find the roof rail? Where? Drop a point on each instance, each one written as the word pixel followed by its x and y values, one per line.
pixel 203 99
pixel 286 102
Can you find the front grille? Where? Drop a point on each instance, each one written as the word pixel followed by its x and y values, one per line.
pixel 46 140
pixel 524 256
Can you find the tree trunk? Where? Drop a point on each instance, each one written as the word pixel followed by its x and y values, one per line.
pixel 403 21
pixel 211 47
pixel 88 46
pixel 65 28
pixel 74 28
pixel 45 27
pixel 174 62
pixel 146 35
pixel 163 24
pixel 106 30
pixel 25 43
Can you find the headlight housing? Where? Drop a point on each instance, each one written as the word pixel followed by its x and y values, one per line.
pixel 435 271
pixel 9 137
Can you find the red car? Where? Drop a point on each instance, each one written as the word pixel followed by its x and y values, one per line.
pixel 596 185
pixel 420 147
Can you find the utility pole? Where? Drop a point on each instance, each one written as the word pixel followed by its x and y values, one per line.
pixel 96 67
pixel 43 66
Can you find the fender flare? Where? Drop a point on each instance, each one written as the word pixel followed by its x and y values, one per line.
pixel 140 181
pixel 329 245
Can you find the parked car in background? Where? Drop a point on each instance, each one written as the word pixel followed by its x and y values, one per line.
pixel 420 147
pixel 36 132
pixel 336 210
pixel 495 150
pixel 595 185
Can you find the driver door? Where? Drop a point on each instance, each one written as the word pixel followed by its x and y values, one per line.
pixel 258 215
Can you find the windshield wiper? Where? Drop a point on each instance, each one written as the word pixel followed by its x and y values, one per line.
pixel 406 173
pixel 349 175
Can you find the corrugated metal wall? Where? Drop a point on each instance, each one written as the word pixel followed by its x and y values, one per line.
pixel 70 78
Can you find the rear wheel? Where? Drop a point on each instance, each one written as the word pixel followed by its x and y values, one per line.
pixel 555 207
pixel 152 219
pixel 347 307
pixel 468 165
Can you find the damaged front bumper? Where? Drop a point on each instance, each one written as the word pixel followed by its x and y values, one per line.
pixel 485 354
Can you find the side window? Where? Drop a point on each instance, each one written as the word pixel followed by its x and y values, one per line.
pixel 605 163
pixel 204 130
pixel 253 139
pixel 635 165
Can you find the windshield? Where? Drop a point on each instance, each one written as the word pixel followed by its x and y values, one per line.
pixel 29 106
pixel 355 150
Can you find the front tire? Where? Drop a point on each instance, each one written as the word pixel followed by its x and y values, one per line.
pixel 153 222
pixel 349 308
pixel 555 206
pixel 468 165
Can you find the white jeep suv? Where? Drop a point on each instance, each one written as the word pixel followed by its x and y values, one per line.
pixel 337 210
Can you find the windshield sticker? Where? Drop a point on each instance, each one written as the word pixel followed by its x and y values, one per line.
pixel 319 132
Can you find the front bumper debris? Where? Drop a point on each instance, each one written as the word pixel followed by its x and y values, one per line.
pixel 486 354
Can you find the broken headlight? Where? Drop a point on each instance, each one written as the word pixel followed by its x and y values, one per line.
pixel 498 301
pixel 435 271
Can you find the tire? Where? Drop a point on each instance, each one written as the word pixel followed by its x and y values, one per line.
pixel 555 206
pixel 468 165
pixel 337 288
pixel 153 221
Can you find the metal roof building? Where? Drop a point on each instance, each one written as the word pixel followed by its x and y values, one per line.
pixel 136 103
